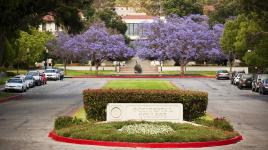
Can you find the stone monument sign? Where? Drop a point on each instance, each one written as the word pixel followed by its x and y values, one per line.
pixel 172 112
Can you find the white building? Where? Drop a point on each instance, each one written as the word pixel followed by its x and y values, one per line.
pixel 49 25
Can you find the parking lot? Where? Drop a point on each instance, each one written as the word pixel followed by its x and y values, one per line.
pixel 25 123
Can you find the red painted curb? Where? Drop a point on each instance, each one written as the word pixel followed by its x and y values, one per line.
pixel 56 137
pixel 10 98
pixel 141 76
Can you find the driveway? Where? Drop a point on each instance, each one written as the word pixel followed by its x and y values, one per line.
pixel 25 123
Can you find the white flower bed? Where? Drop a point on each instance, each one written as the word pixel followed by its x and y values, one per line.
pixel 145 128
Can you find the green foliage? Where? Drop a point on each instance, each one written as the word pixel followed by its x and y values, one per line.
pixel 9 54
pixel 223 10
pixel 66 121
pixel 112 20
pixel 223 124
pixel 111 132
pixel 32 46
pixel 95 101
pixel 181 7
pixel 220 123
pixel 19 15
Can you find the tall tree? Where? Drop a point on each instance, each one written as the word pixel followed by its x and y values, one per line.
pixel 31 46
pixel 181 7
pixel 181 39
pixel 18 15
pixel 58 50
pixel 99 45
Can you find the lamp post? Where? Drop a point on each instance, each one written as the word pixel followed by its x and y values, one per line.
pixel 46 53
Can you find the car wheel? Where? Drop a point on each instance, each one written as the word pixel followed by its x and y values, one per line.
pixel 6 90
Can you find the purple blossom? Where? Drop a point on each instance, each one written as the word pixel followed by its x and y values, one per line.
pixel 182 39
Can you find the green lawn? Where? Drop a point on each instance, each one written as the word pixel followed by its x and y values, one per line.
pixel 4 95
pixel 3 80
pixel 191 73
pixel 140 84
pixel 88 72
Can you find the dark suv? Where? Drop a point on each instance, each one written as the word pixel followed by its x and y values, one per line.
pixel 257 78
pixel 245 81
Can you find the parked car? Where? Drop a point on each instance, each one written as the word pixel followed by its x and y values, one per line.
pixel 36 76
pixel 263 86
pixel 257 78
pixel 24 78
pixel 234 74
pixel 52 74
pixel 222 74
pixel 16 84
pixel 237 77
pixel 30 80
pixel 245 81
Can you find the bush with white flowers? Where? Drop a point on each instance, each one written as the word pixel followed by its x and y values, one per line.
pixel 146 128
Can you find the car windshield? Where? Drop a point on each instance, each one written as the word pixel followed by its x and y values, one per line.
pixel 29 77
pixel 263 76
pixel 266 81
pixel 33 73
pixel 222 71
pixel 14 81
pixel 50 71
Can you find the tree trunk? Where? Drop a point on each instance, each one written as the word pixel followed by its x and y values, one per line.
pixel 2 45
pixel 182 69
pixel 65 66
pixel 97 69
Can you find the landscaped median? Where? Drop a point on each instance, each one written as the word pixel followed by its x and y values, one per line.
pixel 89 125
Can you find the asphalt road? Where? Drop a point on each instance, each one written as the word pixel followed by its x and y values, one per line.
pixel 25 123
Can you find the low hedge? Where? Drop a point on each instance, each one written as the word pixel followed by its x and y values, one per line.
pixel 96 100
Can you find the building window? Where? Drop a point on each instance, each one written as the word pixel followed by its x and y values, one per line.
pixel 56 27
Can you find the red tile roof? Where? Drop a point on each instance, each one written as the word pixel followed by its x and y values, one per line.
pixel 48 18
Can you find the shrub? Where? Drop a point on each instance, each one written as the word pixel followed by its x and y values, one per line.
pixel 220 123
pixel 223 124
pixel 62 122
pixel 137 68
pixel 66 121
pixel 95 100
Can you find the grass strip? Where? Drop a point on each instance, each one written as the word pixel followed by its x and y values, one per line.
pixel 140 84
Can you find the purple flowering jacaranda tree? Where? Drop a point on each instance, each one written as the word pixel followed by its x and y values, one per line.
pixel 59 50
pixel 98 45
pixel 182 39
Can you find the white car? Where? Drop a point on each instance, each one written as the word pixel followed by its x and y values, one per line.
pixel 30 80
pixel 24 78
pixel 52 74
pixel 16 84
pixel 36 75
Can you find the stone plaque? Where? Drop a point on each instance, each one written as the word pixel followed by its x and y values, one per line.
pixel 172 112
